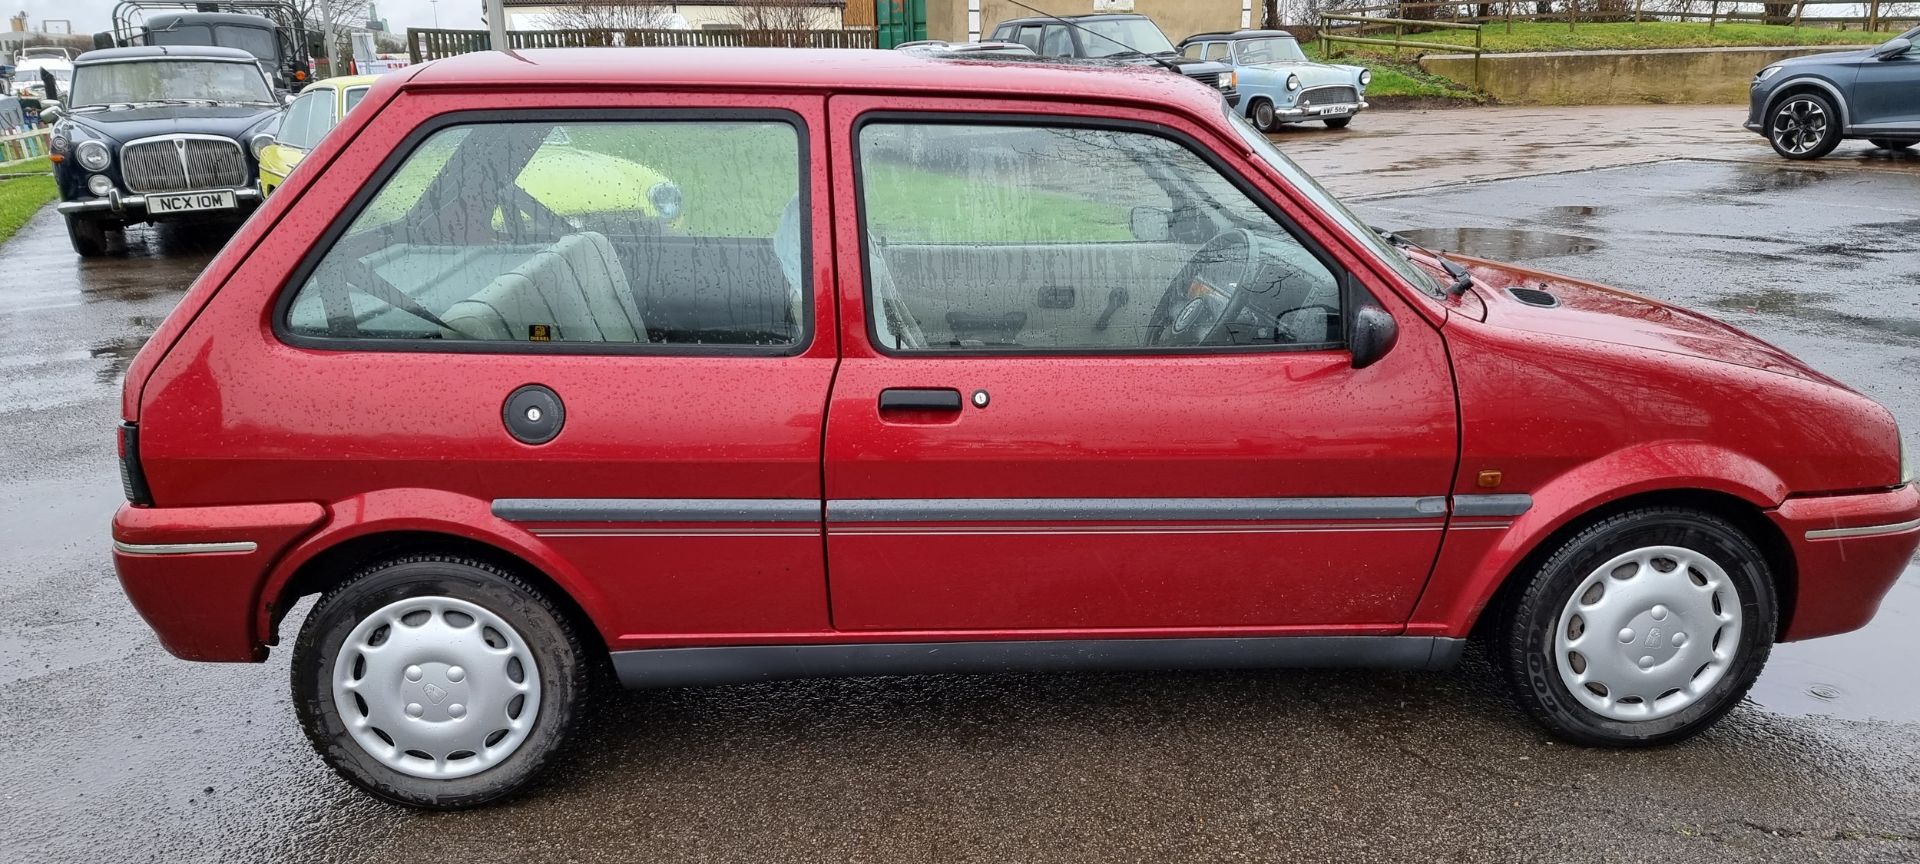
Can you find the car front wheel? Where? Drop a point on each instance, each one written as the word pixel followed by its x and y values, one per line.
pixel 1263 117
pixel 1893 143
pixel 437 682
pixel 1804 126
pixel 89 237
pixel 1338 122
pixel 1642 629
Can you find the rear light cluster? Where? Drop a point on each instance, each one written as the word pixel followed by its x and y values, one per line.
pixel 133 480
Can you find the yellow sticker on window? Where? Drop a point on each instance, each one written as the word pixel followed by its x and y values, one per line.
pixel 540 332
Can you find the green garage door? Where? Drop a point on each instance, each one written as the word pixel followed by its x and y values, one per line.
pixel 900 21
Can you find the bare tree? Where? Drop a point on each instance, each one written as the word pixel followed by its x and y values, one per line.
pixel 777 14
pixel 331 20
pixel 609 15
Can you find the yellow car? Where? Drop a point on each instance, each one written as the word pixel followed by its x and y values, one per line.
pixel 307 120
pixel 569 180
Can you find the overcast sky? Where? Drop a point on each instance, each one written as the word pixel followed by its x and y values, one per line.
pixel 89 16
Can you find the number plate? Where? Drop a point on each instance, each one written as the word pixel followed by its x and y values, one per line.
pixel 187 202
pixel 1333 109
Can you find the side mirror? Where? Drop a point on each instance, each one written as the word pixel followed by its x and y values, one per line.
pixel 1150 224
pixel 1371 335
pixel 1893 48
pixel 49 111
pixel 286 98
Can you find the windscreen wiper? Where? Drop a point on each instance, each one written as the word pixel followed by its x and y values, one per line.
pixel 1462 280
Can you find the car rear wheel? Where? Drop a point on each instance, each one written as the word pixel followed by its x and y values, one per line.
pixel 1893 143
pixel 1804 126
pixel 89 237
pixel 437 682
pixel 1263 117
pixel 1337 122
pixel 1642 629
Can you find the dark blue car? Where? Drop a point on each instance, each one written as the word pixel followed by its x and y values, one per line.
pixel 1807 105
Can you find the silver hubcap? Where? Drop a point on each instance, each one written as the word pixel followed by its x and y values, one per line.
pixel 436 687
pixel 1263 114
pixel 1648 633
pixel 1799 125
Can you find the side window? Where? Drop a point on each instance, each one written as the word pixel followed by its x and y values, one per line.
pixel 354 95
pixel 1218 51
pixel 640 233
pixel 322 120
pixel 1193 50
pixel 1056 42
pixel 1023 238
pixel 1030 37
pixel 294 124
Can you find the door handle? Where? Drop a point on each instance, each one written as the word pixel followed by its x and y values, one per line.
pixel 919 399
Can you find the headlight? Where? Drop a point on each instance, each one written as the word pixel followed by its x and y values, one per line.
pixel 60 142
pixel 1366 77
pixel 1766 73
pixel 1229 81
pixel 99 185
pixel 1293 82
pixel 259 142
pixel 92 155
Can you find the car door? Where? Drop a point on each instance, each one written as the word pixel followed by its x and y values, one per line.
pixel 1886 95
pixel 629 382
pixel 1023 436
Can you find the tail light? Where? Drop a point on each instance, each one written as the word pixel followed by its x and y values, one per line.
pixel 133 480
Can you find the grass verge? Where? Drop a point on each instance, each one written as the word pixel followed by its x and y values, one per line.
pixel 1626 35
pixel 21 197
pixel 1401 79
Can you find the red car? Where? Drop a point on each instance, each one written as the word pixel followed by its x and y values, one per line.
pixel 932 365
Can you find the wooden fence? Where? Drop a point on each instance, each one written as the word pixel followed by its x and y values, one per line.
pixel 1360 24
pixel 1873 15
pixel 23 146
pixel 430 44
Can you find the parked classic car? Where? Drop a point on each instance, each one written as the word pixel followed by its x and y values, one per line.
pixel 1113 38
pixel 1278 84
pixel 1806 106
pixel 1132 391
pixel 159 133
pixel 553 177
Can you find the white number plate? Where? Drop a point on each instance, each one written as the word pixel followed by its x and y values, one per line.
pixel 190 201
pixel 1333 109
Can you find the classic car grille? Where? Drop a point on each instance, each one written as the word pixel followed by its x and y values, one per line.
pixel 1340 95
pixel 1211 79
pixel 177 164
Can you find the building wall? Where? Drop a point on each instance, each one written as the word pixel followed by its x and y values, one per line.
pixel 949 19
pixel 698 16
pixel 1684 76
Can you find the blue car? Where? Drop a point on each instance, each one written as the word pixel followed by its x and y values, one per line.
pixel 1805 106
pixel 1278 84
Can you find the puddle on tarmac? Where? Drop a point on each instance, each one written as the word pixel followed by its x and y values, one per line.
pixel 1864 675
pixel 1502 244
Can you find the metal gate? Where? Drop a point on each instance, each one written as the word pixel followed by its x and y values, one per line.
pixel 900 21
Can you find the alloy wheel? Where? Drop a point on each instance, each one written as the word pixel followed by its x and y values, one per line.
pixel 1800 125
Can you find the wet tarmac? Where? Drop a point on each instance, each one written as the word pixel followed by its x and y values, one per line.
pixel 114 751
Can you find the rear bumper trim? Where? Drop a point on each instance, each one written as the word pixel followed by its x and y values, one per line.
pixel 237 546
pixel 1864 530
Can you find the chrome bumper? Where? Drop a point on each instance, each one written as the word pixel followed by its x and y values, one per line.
pixel 119 203
pixel 1302 114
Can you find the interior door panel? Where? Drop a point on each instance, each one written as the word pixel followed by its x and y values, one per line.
pixel 1053 284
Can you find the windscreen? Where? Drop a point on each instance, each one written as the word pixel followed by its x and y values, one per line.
pixel 162 80
pixel 1276 50
pixel 1132 35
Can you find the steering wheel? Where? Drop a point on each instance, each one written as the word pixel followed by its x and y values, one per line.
pixel 1193 311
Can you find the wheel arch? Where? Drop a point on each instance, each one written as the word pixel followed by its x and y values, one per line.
pixel 1811 84
pixel 1742 513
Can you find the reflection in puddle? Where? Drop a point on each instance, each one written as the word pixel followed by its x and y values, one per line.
pixel 1864 675
pixel 1502 244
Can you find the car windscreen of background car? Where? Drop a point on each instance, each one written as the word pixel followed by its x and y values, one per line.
pixel 1255 51
pixel 1136 34
pixel 159 80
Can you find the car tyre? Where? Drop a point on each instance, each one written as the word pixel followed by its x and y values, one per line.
pixel 1264 118
pixel 1893 143
pixel 454 629
pixel 1337 122
pixel 88 236
pixel 1714 595
pixel 1803 126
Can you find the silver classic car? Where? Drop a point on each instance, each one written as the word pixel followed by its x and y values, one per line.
pixel 1278 84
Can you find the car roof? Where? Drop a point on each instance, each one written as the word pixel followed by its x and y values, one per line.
pixel 178 52
pixel 164 20
pixel 1225 35
pixel 841 70
pixel 1043 19
pixel 342 82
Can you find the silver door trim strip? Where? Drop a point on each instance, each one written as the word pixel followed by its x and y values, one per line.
pixel 1492 505
pixel 1130 509
pixel 1864 530
pixel 236 546
pixel 657 509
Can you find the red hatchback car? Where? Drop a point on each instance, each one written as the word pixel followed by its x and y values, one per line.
pixel 914 365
